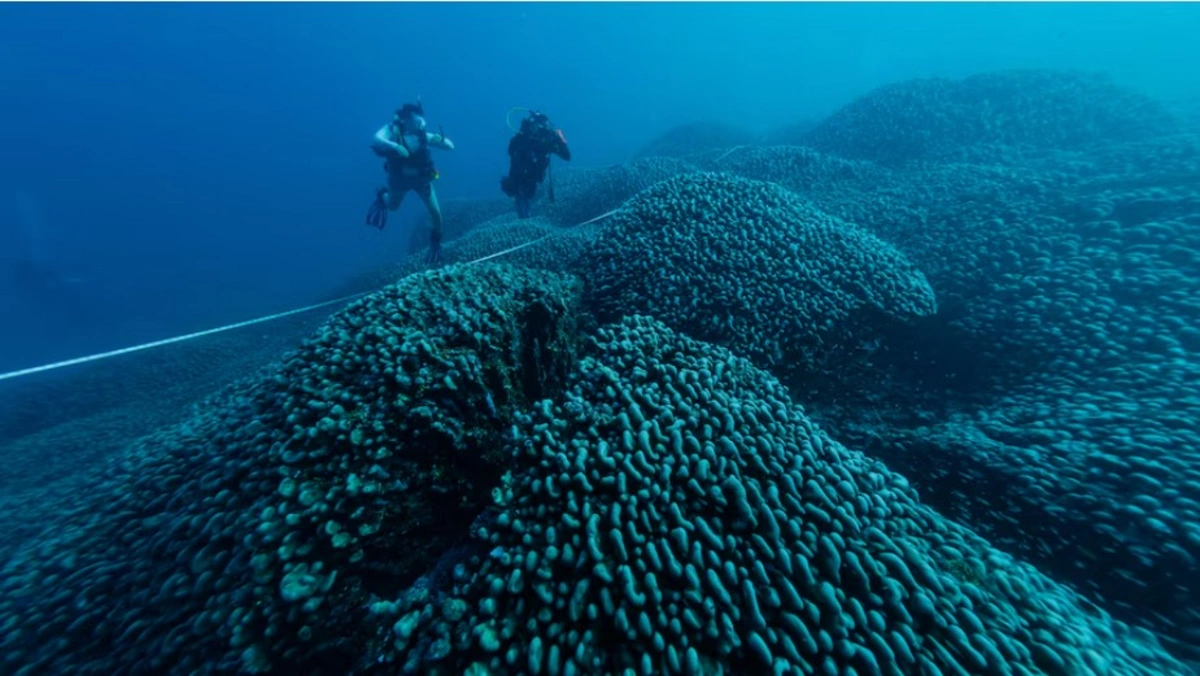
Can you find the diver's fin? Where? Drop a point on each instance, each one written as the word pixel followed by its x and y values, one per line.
pixel 377 214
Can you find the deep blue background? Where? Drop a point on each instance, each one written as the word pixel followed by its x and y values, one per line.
pixel 202 164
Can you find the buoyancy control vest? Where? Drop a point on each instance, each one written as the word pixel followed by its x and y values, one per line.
pixel 419 158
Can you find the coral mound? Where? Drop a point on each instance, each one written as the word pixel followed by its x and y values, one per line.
pixel 676 513
pixel 253 537
pixel 751 266
pixel 697 138
pixel 938 119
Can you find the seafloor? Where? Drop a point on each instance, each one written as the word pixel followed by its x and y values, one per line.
pixel 914 389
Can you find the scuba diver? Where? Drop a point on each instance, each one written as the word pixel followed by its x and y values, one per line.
pixel 529 156
pixel 405 146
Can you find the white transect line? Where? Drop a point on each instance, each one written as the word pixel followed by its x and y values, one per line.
pixel 250 322
pixel 176 339
pixel 539 239
pixel 727 153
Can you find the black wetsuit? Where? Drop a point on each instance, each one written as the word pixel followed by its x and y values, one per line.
pixel 529 157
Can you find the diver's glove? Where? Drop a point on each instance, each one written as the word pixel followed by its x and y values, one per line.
pixel 434 255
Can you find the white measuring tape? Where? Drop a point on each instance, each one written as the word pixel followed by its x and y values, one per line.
pixel 251 322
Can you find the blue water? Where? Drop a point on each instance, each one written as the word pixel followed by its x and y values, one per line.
pixel 857 336
pixel 199 164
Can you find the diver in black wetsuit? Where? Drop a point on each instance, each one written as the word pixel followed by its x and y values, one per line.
pixel 529 156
